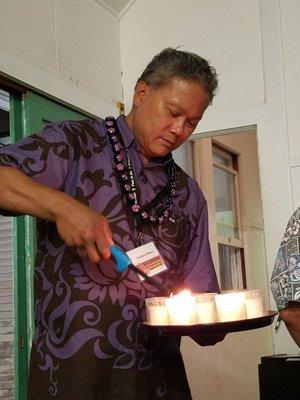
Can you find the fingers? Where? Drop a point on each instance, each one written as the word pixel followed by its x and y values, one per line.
pixel 92 252
pixel 99 245
pixel 86 231
pixel 105 240
pixel 82 253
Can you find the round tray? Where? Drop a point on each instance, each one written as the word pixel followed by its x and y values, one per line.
pixel 217 327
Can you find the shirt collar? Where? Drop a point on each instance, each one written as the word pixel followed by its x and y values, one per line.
pixel 126 132
pixel 130 140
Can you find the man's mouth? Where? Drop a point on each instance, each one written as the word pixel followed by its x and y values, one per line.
pixel 167 142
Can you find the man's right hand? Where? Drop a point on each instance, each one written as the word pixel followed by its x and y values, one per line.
pixel 85 230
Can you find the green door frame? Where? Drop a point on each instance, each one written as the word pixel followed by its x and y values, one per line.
pixel 28 114
pixel 21 349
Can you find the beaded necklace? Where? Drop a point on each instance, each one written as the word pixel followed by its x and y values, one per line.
pixel 159 208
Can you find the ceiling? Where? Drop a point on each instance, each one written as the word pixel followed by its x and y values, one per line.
pixel 115 6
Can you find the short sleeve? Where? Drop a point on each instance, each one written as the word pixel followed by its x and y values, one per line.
pixel 198 269
pixel 46 157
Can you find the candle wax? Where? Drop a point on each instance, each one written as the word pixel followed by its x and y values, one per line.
pixel 157 315
pixel 206 312
pixel 256 307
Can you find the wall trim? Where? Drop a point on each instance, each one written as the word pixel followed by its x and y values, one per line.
pixel 43 82
pixel 227 131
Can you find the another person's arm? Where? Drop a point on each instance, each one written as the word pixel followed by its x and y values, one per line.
pixel 291 318
pixel 286 270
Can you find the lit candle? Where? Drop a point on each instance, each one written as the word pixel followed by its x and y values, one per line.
pixel 231 306
pixel 157 313
pixel 255 304
pixel 181 309
pixel 206 308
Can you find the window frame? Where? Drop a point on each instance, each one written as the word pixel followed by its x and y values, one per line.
pixel 203 164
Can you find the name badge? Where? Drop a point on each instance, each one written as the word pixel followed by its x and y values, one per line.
pixel 147 259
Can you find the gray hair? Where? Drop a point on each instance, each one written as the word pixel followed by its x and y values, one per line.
pixel 172 62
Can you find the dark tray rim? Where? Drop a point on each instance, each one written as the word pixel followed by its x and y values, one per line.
pixel 216 327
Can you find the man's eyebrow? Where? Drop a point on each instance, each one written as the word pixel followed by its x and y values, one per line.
pixel 180 109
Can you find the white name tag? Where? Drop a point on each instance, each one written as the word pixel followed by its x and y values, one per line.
pixel 147 259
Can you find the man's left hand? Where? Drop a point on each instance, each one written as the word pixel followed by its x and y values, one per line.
pixel 209 340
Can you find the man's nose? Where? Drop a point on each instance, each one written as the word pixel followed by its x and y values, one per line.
pixel 177 127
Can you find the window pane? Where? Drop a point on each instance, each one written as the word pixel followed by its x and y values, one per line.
pixel 225 267
pixel 225 199
pixel 232 269
pixel 221 159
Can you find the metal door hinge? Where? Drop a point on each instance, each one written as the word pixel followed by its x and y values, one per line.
pixel 121 107
pixel 22 343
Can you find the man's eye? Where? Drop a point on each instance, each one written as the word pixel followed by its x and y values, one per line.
pixel 173 113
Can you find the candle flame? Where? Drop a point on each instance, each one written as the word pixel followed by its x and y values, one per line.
pixel 184 293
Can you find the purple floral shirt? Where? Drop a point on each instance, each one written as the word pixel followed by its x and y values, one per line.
pixel 89 342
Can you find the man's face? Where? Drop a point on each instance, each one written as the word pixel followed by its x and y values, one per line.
pixel 166 116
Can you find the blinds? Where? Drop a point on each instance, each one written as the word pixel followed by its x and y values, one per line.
pixel 6 309
pixel 4 100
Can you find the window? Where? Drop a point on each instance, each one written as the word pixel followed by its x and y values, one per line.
pixel 228 219
pixel 226 168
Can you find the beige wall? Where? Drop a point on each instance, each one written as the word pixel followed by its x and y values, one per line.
pixel 68 49
pixel 227 371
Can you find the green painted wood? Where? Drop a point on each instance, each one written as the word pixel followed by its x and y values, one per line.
pixel 28 115
pixel 19 267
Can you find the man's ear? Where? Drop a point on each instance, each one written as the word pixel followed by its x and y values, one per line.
pixel 140 91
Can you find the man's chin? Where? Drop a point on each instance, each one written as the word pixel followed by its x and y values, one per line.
pixel 157 153
pixel 162 151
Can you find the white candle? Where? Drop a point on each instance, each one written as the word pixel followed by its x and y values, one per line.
pixel 255 304
pixel 181 309
pixel 157 313
pixel 206 308
pixel 231 306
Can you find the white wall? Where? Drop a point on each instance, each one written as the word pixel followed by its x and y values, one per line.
pixel 290 14
pixel 215 29
pixel 255 46
pixel 68 49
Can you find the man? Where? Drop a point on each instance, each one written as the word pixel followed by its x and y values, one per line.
pixel 91 184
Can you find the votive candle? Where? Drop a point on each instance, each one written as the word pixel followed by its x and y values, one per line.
pixel 255 304
pixel 156 311
pixel 231 306
pixel 206 311
pixel 181 309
